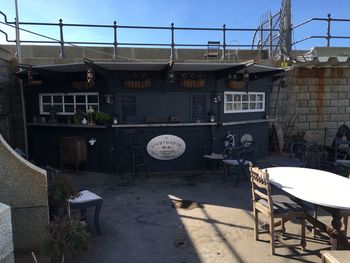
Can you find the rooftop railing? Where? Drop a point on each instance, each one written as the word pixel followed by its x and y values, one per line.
pixel 266 37
pixel 172 31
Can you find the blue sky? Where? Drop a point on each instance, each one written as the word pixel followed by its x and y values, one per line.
pixel 184 13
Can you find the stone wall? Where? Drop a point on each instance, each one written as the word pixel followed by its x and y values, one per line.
pixel 314 100
pixel 6 239
pixel 24 188
pixel 11 120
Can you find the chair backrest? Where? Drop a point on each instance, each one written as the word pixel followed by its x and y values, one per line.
pixel 261 189
pixel 248 151
pixel 341 148
pixel 213 49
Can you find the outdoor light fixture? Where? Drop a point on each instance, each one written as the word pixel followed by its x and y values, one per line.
pixel 90 76
pixel 90 73
pixel 245 75
pixel 282 81
pixel 32 77
pixel 30 74
pixel 108 98
pixel 217 98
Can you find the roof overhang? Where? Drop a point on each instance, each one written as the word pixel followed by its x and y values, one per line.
pixel 221 68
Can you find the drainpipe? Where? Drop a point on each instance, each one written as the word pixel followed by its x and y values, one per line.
pixel 19 58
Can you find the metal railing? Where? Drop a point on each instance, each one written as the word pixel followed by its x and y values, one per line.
pixel 115 43
pixel 265 37
pixel 328 36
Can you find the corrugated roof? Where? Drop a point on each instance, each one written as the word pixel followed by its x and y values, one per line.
pixel 325 57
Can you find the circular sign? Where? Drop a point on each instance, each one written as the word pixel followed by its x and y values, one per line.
pixel 246 139
pixel 166 147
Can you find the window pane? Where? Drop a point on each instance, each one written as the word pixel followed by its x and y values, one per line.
pixel 244 106
pixel 81 107
pixel 228 106
pixel 237 106
pixel 229 97
pixel 244 97
pixel 69 108
pixel 68 99
pixel 259 105
pixel 92 99
pixel 46 108
pixel 252 105
pixel 46 99
pixel 237 97
pixel 252 97
pixel 80 99
pixel 259 97
pixel 58 108
pixel 57 99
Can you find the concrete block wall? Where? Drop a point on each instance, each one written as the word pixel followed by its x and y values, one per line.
pixel 11 121
pixel 24 188
pixel 317 98
pixel 6 238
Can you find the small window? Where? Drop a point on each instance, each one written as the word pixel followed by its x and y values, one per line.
pixel 235 102
pixel 66 104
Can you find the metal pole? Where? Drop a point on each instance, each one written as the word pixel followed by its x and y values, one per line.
pixel 328 37
pixel 115 43
pixel 19 57
pixel 172 51
pixel 270 37
pixel 223 57
pixel 61 38
pixel 261 37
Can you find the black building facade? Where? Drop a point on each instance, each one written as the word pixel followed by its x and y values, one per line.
pixel 196 103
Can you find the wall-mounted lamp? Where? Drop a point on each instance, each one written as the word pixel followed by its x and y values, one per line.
pixel 282 81
pixel 217 98
pixel 171 75
pixel 246 75
pixel 92 141
pixel 108 98
pixel 90 76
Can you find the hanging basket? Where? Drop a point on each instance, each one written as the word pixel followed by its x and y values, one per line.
pixel 192 83
pixel 234 84
pixel 137 84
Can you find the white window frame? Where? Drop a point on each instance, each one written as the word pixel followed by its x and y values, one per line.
pixel 233 93
pixel 74 103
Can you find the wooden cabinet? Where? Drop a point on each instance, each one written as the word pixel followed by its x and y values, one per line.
pixel 73 151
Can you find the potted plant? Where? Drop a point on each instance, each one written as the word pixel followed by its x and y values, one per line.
pixel 102 118
pixel 67 238
pixel 60 190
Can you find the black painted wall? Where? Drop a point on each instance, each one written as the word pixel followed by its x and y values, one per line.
pixel 161 100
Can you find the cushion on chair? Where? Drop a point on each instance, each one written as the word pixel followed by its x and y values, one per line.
pixel 214 156
pixel 235 162
pixel 282 204
pixel 343 162
pixel 85 196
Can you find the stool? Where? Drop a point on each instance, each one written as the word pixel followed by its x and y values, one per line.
pixel 138 159
pixel 85 200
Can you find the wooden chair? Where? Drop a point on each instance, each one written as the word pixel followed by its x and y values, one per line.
pixel 274 207
pixel 213 50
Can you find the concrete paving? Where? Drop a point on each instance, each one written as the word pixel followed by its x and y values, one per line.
pixel 141 222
